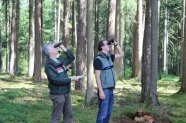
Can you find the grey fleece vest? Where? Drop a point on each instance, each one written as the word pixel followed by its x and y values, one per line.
pixel 107 73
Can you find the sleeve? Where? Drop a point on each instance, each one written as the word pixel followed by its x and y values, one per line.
pixel 97 64
pixel 54 78
pixel 69 58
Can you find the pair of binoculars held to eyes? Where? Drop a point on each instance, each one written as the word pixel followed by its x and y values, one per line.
pixel 111 41
pixel 57 44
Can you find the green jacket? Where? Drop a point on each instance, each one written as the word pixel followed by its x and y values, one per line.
pixel 59 82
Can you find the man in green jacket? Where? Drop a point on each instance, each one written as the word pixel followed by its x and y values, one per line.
pixel 59 82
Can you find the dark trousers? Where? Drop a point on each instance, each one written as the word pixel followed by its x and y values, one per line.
pixel 61 103
pixel 105 106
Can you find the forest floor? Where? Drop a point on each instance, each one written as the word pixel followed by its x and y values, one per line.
pixel 22 101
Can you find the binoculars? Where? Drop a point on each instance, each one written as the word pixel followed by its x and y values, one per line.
pixel 111 41
pixel 57 44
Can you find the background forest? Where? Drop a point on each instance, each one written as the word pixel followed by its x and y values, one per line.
pixel 151 75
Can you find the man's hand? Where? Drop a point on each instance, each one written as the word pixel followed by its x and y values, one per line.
pixel 115 43
pixel 76 78
pixel 101 95
pixel 63 47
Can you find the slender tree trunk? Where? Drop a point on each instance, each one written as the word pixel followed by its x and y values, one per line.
pixel 14 41
pixel 0 42
pixel 182 39
pixel 38 40
pixel 81 44
pixel 165 61
pixel 118 62
pixel 66 29
pixel 183 84
pixel 146 57
pixel 138 42
pixel 17 35
pixel 154 52
pixel 31 38
pixel 7 29
pixel 140 36
pixel 57 19
pixel 90 52
pixel 74 30
pixel 111 19
pixel 96 39
pixel 1 62
pixel 135 48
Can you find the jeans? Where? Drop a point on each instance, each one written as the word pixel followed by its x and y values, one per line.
pixel 105 106
pixel 61 104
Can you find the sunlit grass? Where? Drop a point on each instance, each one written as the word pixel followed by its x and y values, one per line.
pixel 23 101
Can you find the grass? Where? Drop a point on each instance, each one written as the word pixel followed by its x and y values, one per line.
pixel 22 101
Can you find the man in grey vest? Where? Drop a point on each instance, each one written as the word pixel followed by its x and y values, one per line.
pixel 105 78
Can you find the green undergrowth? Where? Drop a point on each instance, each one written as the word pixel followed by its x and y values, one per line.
pixel 23 101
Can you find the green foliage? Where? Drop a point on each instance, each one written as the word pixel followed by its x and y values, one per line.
pixel 174 29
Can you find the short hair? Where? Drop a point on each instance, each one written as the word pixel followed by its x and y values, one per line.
pixel 46 48
pixel 100 44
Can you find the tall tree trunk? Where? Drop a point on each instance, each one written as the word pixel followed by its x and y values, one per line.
pixel 165 59
pixel 146 57
pixel 14 41
pixel 81 44
pixel 0 50
pixel 74 30
pixel 96 39
pixel 154 52
pixel 38 40
pixel 140 36
pixel 183 84
pixel 135 48
pixel 138 42
pixel 119 62
pixel 90 52
pixel 31 39
pixel 66 29
pixel 57 19
pixel 111 19
pixel 182 39
pixel 0 41
pixel 7 29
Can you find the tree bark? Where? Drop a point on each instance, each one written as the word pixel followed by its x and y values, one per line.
pixel 38 40
pixel 183 84
pixel 146 57
pixel 119 61
pixel 31 39
pixel 165 44
pixel 66 29
pixel 1 62
pixel 7 29
pixel 182 39
pixel 81 44
pixel 90 52
pixel 96 39
pixel 14 38
pixel 111 19
pixel 154 52
pixel 74 30
pixel 57 19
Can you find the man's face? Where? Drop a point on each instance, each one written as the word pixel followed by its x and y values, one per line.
pixel 105 46
pixel 52 50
